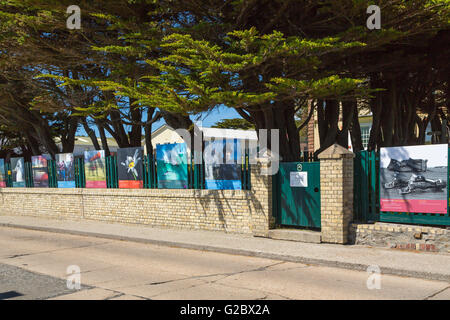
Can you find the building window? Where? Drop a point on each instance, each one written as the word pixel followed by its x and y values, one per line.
pixel 365 134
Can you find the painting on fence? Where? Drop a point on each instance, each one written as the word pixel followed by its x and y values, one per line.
pixel 171 161
pixel 414 179
pixel 40 171
pixel 129 162
pixel 95 169
pixel 222 168
pixel 65 170
pixel 2 174
pixel 18 172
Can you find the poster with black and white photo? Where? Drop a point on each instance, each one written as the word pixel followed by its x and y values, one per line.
pixel 414 179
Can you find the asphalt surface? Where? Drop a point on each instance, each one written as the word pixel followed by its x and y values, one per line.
pixel 424 265
pixel 33 265
pixel 20 284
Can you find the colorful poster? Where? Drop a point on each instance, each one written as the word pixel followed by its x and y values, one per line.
pixel 414 179
pixel 65 170
pixel 171 161
pixel 95 169
pixel 40 171
pixel 2 174
pixel 18 172
pixel 222 170
pixel 129 162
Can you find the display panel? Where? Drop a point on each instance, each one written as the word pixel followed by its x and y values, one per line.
pixel 414 179
pixel 40 171
pixel 130 168
pixel 222 170
pixel 18 172
pixel 65 169
pixel 95 169
pixel 172 166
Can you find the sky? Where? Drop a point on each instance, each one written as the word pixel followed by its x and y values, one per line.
pixel 436 154
pixel 206 119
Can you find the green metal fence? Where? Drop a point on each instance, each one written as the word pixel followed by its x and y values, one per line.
pixel 112 178
pixel 29 180
pixel 149 172
pixel 29 183
pixel 196 173
pixel 80 177
pixel 366 184
pixel 308 157
pixel 52 174
pixel 246 173
pixel 8 175
pixel 367 196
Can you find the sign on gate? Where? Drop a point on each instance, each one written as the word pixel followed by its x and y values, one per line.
pixel 299 179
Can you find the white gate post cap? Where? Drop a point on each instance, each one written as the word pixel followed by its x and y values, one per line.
pixel 336 151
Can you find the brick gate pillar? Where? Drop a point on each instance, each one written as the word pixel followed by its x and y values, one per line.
pixel 261 198
pixel 336 193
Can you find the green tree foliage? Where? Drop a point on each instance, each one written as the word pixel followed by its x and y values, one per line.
pixel 236 123
pixel 135 61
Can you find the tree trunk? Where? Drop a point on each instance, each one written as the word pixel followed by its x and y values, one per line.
pixel 103 139
pixel 389 111
pixel 148 131
pixel 136 129
pixel 33 144
pixel 91 134
pixel 68 143
pixel 348 108
pixel 355 130
pixel 331 119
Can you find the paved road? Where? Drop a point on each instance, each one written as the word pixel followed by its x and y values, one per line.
pixel 33 265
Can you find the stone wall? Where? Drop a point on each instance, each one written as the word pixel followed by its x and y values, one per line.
pixel 398 236
pixel 235 211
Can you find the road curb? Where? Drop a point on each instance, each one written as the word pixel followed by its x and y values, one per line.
pixel 242 252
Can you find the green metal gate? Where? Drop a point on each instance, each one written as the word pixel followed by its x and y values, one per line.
pixel 296 191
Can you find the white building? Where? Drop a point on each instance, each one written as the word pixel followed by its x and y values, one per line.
pixel 166 134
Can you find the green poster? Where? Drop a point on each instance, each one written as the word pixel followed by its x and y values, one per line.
pixel 171 160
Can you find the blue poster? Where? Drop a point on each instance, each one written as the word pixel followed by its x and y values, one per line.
pixel 222 168
pixel 65 170
pixel 172 169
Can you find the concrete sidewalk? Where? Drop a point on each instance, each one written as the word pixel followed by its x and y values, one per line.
pixel 427 265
